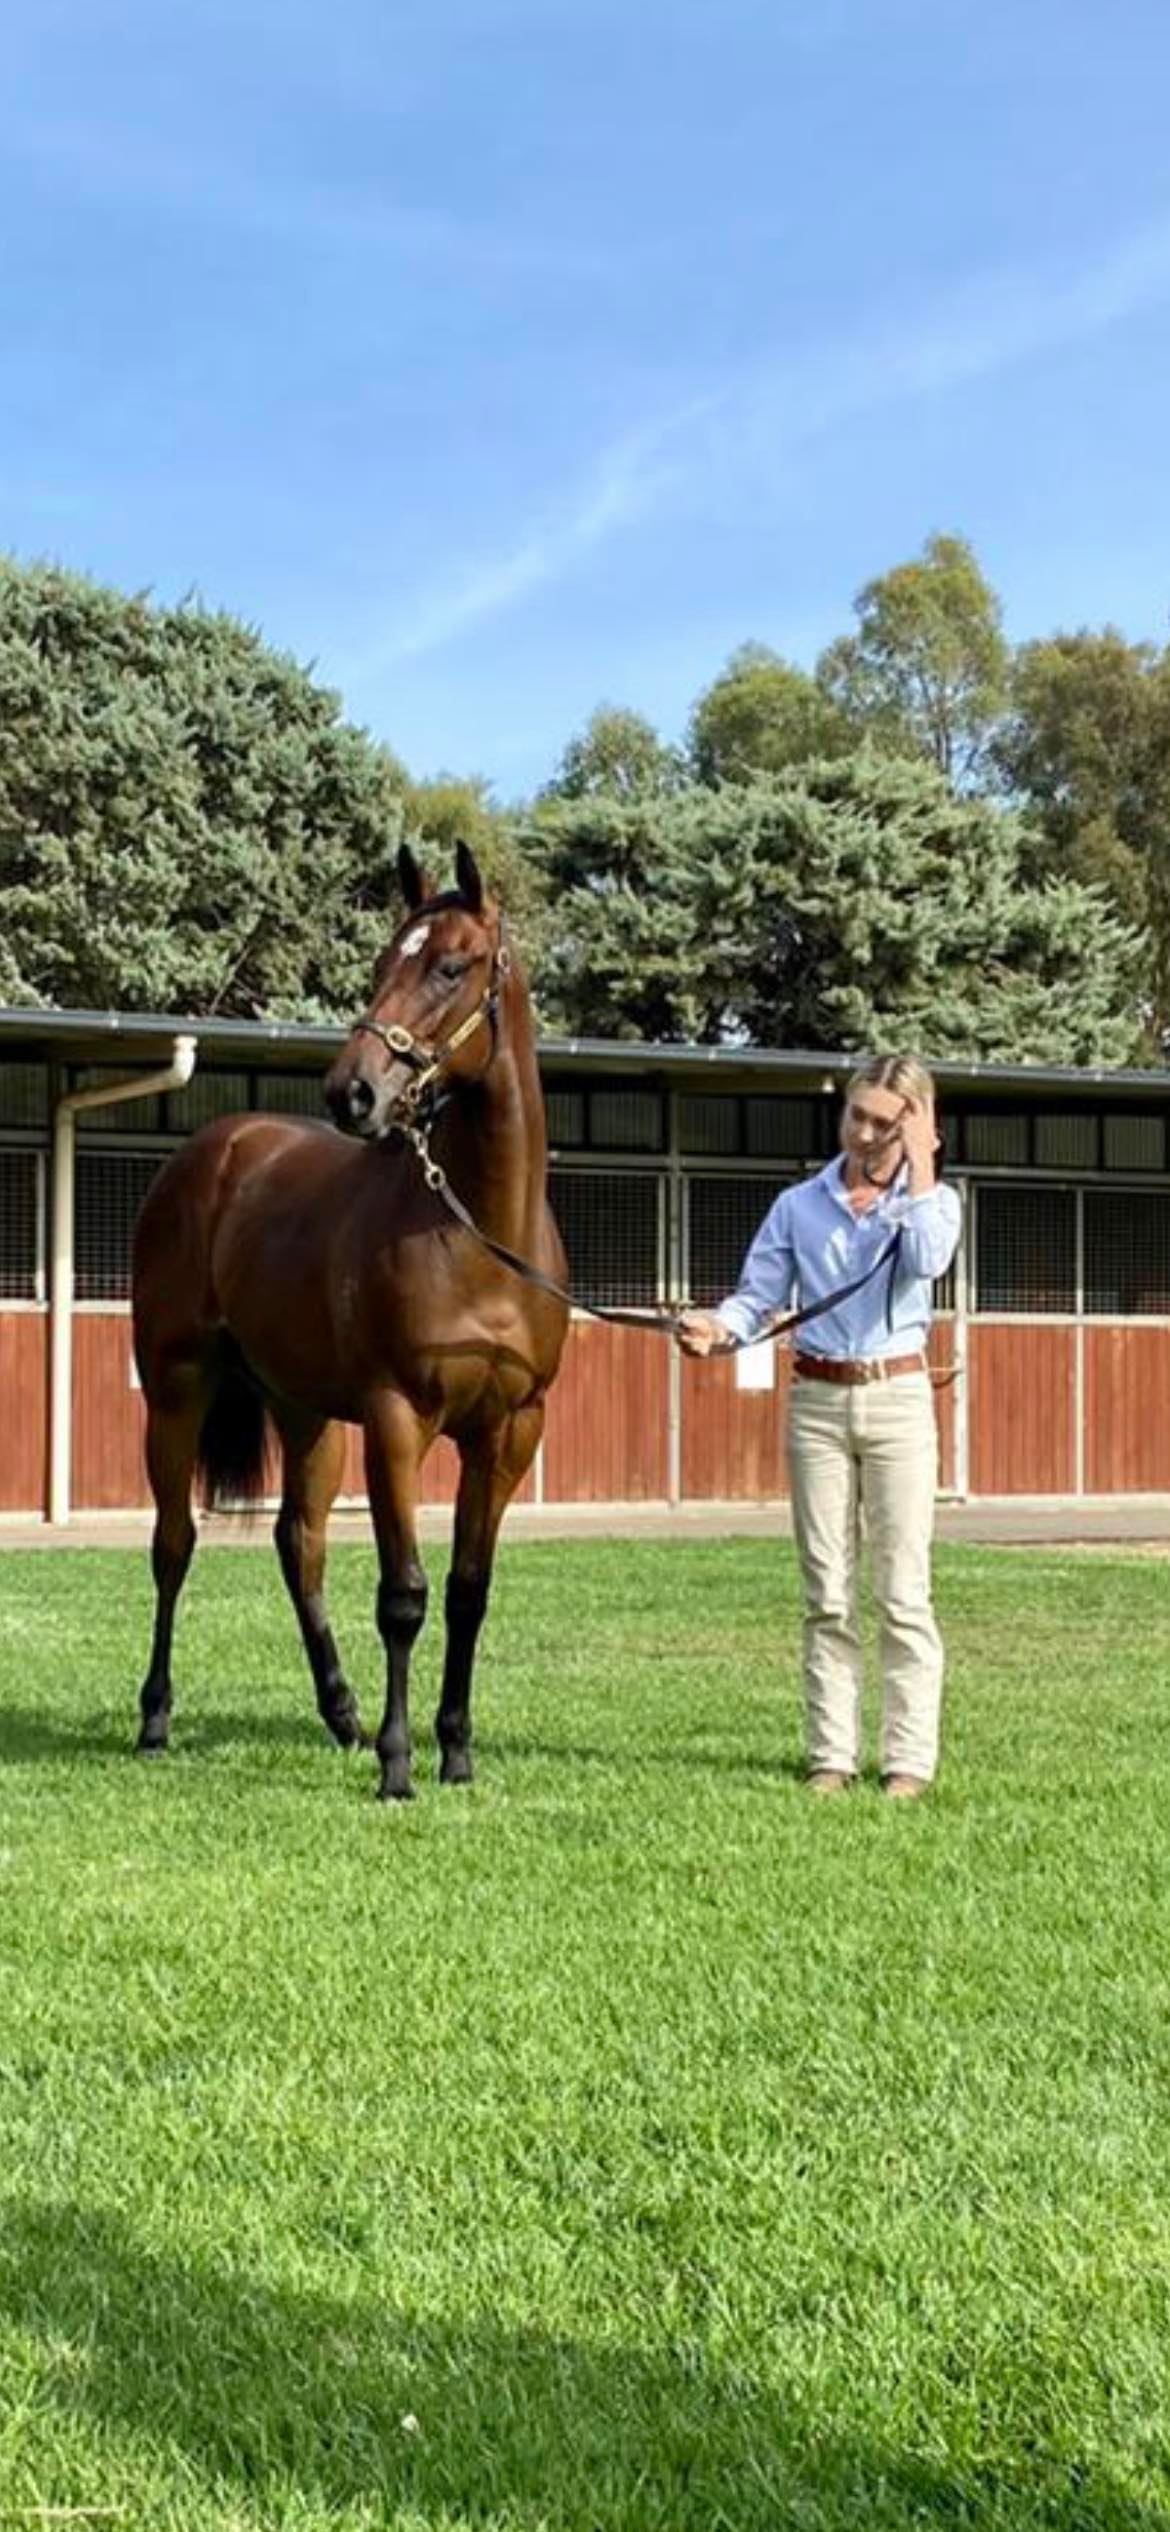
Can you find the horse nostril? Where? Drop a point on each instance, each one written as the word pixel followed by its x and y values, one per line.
pixel 361 1098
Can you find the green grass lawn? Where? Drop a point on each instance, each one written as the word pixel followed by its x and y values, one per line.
pixel 629 2144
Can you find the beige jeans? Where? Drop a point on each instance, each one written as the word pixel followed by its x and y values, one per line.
pixel 868 1455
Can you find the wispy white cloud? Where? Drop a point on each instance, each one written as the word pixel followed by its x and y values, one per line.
pixel 632 476
pixel 763 417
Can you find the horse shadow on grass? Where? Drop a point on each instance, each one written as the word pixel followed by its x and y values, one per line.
pixel 29 1734
pixel 295 2406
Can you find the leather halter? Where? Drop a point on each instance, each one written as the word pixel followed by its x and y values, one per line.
pixel 427 1062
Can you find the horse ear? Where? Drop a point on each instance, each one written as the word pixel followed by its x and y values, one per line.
pixel 410 879
pixel 467 874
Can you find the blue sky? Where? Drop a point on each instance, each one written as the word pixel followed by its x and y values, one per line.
pixel 504 356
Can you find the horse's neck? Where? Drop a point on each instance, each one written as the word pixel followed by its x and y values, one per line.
pixel 494 1144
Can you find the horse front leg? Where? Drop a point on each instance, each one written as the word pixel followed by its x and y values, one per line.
pixel 396 1439
pixel 493 1465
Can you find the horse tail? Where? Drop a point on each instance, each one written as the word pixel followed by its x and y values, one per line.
pixel 234 1435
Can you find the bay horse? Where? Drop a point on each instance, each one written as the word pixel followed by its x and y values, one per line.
pixel 290 1275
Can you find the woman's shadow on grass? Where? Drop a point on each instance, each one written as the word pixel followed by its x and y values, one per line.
pixel 276 2400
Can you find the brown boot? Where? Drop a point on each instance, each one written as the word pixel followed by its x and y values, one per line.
pixel 828 1780
pixel 905 1788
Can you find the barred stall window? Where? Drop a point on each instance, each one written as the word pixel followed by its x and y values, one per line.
pixel 565 1115
pixel 1135 1142
pixel 1026 1249
pixel 708 1121
pixel 207 1095
pixel 781 1129
pixel 611 1222
pixel 624 1120
pixel 24 1094
pixel 291 1094
pixel 19 1226
pixel 1127 1254
pixel 943 1288
pixel 723 1216
pixel 1067 1142
pixel 135 1114
pixel 110 1189
pixel 995 1141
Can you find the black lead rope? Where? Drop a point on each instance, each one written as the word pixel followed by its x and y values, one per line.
pixel 657 1322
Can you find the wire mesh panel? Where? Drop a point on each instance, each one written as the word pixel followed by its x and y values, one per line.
pixel 1134 1143
pixel 24 1094
pixel 1067 1142
pixel 1026 1249
pixel 1127 1254
pixel 110 1189
pixel 611 1224
pixel 207 1095
pixel 19 1226
pixel 723 1216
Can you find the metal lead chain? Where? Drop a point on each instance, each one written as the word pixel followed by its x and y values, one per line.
pixel 435 1176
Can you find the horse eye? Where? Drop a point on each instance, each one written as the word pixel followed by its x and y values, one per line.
pixel 451 969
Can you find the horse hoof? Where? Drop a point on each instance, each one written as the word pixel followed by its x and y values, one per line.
pixel 348 1732
pixel 150 1749
pixel 395 1786
pixel 456 1769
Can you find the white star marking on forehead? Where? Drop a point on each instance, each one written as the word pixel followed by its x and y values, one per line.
pixel 414 941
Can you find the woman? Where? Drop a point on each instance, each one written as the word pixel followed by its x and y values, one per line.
pixel 861 1429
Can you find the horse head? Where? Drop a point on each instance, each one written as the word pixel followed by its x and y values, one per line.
pixel 432 1020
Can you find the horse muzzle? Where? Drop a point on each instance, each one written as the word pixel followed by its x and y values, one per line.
pixel 369 1104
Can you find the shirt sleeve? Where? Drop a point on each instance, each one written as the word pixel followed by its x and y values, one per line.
pixel 766 1277
pixel 930 1231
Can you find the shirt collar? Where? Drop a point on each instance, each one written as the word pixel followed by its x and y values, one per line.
pixel 832 1178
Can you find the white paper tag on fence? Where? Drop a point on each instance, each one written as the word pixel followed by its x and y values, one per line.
pixel 755 1367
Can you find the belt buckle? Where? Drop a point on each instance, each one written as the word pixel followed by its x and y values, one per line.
pixel 876 1370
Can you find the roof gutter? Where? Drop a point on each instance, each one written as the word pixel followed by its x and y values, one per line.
pixel 172 1076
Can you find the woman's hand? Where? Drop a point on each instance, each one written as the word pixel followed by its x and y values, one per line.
pixel 701 1332
pixel 920 1141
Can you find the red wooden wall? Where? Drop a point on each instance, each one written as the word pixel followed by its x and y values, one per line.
pixel 608 1431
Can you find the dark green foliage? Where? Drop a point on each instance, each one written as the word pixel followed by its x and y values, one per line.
pixel 927 669
pixel 759 717
pixel 850 903
pixel 1085 750
pixel 617 756
pixel 186 823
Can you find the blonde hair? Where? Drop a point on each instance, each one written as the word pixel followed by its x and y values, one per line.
pixel 902 1073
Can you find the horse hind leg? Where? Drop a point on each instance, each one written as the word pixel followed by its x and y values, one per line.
pixel 313 1461
pixel 173 1427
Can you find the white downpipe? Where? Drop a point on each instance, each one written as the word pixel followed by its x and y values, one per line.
pixel 172 1076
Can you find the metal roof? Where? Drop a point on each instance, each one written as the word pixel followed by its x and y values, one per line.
pixel 268 1045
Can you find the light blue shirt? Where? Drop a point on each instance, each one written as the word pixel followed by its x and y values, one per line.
pixel 811 1242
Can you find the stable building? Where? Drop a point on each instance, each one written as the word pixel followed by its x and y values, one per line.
pixel 1055 1317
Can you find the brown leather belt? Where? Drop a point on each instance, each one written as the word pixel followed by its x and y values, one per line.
pixel 854 1375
